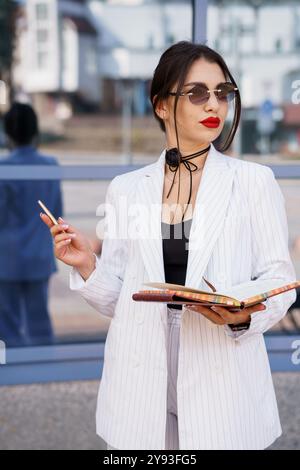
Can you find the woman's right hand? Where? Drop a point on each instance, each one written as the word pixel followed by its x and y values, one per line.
pixel 71 247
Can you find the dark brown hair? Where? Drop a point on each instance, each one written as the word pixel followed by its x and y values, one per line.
pixel 21 123
pixel 173 68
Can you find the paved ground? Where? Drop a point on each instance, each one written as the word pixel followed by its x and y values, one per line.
pixel 62 415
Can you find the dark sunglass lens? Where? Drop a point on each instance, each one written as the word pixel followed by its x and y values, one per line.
pixel 199 95
pixel 226 92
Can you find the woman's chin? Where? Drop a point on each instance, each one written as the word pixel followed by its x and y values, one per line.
pixel 209 135
pixel 203 138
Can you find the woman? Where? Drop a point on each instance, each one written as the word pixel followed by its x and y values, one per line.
pixel 215 391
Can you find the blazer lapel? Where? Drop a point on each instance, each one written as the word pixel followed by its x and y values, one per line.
pixel 211 204
pixel 149 196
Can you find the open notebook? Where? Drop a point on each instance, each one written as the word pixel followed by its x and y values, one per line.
pixel 243 295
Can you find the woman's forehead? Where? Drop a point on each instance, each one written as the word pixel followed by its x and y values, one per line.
pixel 205 72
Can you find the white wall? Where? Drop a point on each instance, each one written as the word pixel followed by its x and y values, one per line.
pixel 47 78
pixel 128 64
pixel 70 48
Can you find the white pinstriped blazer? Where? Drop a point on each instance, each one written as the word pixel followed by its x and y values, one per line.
pixel 225 392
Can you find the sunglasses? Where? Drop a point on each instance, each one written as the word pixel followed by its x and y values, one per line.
pixel 200 94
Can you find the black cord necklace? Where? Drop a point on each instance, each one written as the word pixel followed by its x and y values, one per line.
pixel 173 159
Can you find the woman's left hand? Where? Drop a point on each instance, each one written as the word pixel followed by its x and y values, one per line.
pixel 222 315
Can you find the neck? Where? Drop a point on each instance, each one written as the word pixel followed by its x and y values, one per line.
pixel 185 151
pixel 186 148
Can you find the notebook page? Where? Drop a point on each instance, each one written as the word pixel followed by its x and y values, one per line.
pixel 251 288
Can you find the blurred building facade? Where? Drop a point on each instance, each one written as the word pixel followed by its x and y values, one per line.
pixel 57 58
pixel 260 41
pixel 89 53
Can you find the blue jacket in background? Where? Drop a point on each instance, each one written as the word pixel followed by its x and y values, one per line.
pixel 26 246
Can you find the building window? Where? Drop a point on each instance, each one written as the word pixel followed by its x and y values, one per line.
pixel 91 61
pixel 278 45
pixel 42 36
pixel 41 11
pixel 42 58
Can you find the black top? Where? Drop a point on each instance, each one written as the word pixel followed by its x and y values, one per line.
pixel 175 239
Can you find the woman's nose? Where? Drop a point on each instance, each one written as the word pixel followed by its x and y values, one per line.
pixel 212 103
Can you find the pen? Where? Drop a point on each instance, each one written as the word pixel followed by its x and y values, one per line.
pixel 51 216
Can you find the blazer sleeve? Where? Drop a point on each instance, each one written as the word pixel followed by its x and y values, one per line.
pixel 101 290
pixel 270 250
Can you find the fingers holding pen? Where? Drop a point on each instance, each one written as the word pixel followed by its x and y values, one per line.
pixel 70 245
pixel 63 237
pixel 61 227
pixel 46 220
pixel 62 234
pixel 62 244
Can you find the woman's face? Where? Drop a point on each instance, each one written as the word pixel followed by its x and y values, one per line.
pixel 191 132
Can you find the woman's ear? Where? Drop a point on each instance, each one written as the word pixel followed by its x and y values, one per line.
pixel 161 108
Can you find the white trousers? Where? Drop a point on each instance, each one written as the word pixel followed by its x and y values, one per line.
pixel 172 439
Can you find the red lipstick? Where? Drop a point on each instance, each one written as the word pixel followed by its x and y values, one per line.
pixel 211 122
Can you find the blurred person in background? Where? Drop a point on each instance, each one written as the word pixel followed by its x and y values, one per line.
pixel 26 247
